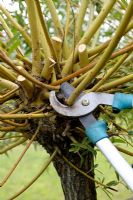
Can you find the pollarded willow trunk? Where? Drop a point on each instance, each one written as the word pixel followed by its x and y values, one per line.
pixel 74 184
pixel 68 56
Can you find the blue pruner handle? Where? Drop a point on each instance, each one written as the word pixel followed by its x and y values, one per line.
pixel 122 101
pixel 97 131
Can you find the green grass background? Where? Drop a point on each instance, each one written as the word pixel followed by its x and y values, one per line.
pixel 48 186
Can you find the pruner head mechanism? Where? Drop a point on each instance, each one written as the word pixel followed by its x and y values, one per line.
pixel 81 107
pixel 84 104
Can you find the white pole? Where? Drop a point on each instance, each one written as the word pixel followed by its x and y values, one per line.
pixel 117 161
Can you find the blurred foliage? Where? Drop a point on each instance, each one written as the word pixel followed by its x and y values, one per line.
pixel 120 125
pixel 82 148
pixel 125 120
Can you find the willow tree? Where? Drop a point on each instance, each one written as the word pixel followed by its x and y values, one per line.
pixel 87 43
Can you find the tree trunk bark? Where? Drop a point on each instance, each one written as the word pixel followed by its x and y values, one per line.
pixel 75 185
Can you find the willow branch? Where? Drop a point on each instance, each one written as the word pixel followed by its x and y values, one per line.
pixel 111 116
pixel 97 22
pixel 110 72
pixel 102 46
pixel 11 146
pixel 83 56
pixel 57 43
pixel 129 153
pixel 11 137
pixel 75 74
pixel 130 26
pixel 124 50
pixel 8 95
pixel 44 44
pixel 8 84
pixel 98 49
pixel 25 60
pixel 79 79
pixel 35 37
pixel 68 8
pixel 58 26
pixel 123 6
pixel 91 12
pixel 7 74
pixel 8 128
pixel 48 68
pixel 16 25
pixel 14 123
pixel 106 55
pixel 36 177
pixel 45 29
pixel 128 89
pixel 24 73
pixel 25 116
pixel 46 40
pixel 26 85
pixel 46 71
pixel 9 33
pixel 80 19
pixel 116 83
pixel 56 21
pixel 66 49
pixel 5 27
pixel 20 157
pixel 88 35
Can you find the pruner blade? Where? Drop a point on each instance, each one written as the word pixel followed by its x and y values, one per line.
pixel 83 105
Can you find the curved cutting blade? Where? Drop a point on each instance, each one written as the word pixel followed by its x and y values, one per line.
pixel 78 108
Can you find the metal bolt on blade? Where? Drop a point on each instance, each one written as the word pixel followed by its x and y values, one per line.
pixel 85 102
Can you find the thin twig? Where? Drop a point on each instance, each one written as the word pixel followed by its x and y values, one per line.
pixel 110 72
pixel 45 29
pixel 88 35
pixel 36 177
pixel 25 116
pixel 106 55
pixel 129 153
pixel 17 109
pixel 24 73
pixel 20 157
pixel 86 175
pixel 16 25
pixel 8 95
pixel 92 64
pixel 11 146
pixel 11 137
pixel 118 82
pixel 55 18
pixel 8 128
pixel 14 123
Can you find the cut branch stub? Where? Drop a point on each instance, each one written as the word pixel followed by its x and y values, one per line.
pixel 7 84
pixel 57 43
pixel 26 85
pixel 48 68
pixel 7 73
pixel 83 55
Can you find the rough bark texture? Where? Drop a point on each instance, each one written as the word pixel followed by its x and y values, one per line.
pixel 74 184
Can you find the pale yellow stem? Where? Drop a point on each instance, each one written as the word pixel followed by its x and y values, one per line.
pixel 33 20
pixel 16 25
